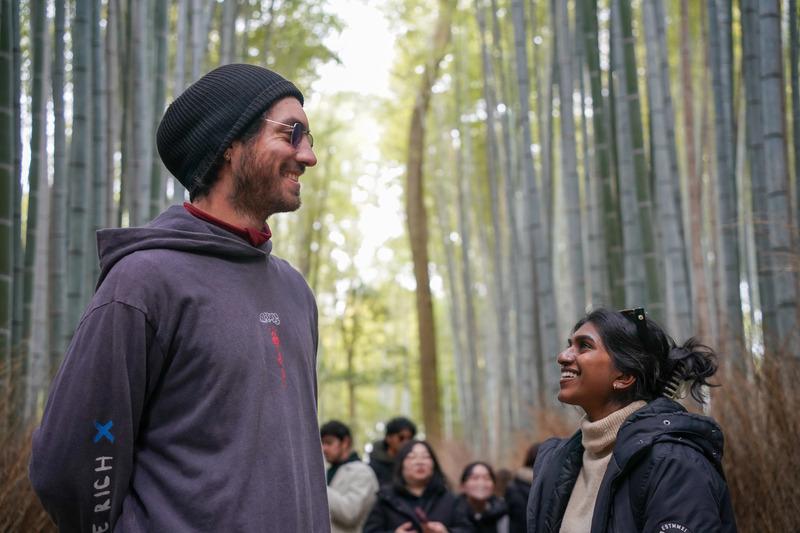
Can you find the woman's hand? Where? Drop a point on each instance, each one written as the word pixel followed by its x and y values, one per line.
pixel 433 527
pixel 405 527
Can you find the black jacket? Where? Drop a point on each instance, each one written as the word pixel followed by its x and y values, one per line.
pixel 381 463
pixel 665 475
pixel 517 500
pixel 493 520
pixel 396 506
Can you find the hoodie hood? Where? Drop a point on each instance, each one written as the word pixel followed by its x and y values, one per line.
pixel 174 229
pixel 664 420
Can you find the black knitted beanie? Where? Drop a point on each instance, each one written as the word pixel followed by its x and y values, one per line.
pixel 210 114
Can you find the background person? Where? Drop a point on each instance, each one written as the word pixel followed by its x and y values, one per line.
pixel 666 475
pixel 503 477
pixel 517 492
pixel 418 499
pixel 351 483
pixel 487 512
pixel 399 430
pixel 187 399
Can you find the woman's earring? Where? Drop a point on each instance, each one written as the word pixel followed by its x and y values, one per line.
pixel 227 156
pixel 615 386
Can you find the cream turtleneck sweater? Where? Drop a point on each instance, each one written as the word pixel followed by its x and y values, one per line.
pixel 598 440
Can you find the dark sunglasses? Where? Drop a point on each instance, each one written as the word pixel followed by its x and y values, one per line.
pixel 638 316
pixel 635 315
pixel 298 130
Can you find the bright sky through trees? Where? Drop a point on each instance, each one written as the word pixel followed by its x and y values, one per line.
pixel 365 47
pixel 366 50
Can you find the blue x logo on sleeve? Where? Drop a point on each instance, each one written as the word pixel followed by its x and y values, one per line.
pixel 103 430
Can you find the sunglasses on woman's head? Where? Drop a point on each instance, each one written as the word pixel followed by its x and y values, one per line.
pixel 298 130
pixel 635 315
pixel 638 316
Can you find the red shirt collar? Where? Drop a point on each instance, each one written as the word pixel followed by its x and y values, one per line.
pixel 251 235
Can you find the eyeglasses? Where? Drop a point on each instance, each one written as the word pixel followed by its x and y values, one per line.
pixel 298 130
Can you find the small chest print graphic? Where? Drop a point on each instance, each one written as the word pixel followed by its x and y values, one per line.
pixel 274 320
pixel 269 318
pixel 673 527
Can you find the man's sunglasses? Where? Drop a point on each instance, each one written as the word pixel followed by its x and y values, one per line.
pixel 298 130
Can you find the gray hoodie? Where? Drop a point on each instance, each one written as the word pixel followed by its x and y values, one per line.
pixel 187 398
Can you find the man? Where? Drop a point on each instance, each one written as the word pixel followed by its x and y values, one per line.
pixel 187 398
pixel 351 484
pixel 399 430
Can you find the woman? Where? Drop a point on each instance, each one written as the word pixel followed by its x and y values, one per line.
pixel 487 512
pixel 666 472
pixel 417 499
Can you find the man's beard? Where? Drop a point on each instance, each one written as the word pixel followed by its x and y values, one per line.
pixel 257 193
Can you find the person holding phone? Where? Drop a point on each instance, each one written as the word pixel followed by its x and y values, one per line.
pixel 418 499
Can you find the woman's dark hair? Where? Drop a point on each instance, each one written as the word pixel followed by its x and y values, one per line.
pixel 398 479
pixel 470 467
pixel 647 353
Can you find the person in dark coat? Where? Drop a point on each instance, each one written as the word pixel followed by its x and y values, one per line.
pixel 487 512
pixel 517 492
pixel 399 430
pixel 502 479
pixel 666 474
pixel 418 499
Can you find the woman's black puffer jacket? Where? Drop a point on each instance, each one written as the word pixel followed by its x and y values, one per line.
pixel 665 475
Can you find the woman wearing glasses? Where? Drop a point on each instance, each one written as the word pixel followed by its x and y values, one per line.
pixel 418 499
pixel 640 461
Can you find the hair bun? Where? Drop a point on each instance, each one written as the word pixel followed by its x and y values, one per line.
pixel 678 353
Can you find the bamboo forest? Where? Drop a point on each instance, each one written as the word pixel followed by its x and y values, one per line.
pixel 490 172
